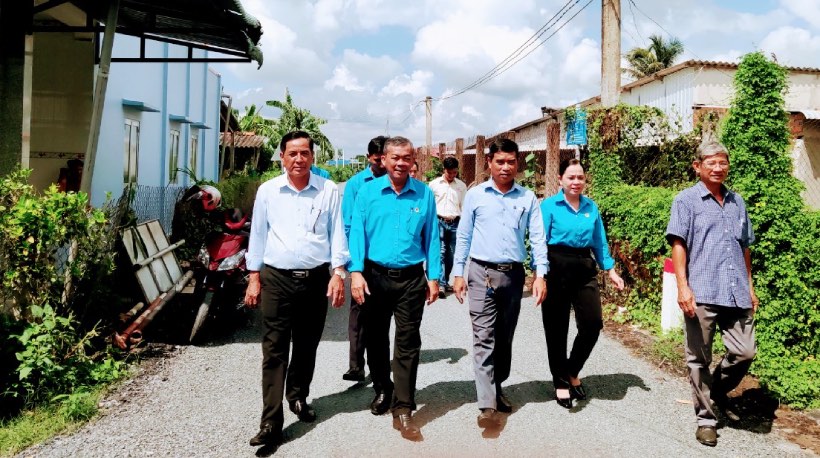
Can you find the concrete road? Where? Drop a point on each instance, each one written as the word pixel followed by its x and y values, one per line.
pixel 207 400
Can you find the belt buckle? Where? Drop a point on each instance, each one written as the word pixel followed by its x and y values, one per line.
pixel 394 273
pixel 503 267
pixel 299 273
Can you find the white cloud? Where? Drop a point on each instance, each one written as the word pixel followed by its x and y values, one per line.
pixel 808 10
pixel 342 78
pixel 417 84
pixel 793 46
pixel 469 110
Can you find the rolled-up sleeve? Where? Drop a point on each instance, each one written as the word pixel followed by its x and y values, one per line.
pixel 254 258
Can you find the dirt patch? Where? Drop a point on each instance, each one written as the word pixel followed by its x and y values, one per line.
pixel 760 411
pixel 153 358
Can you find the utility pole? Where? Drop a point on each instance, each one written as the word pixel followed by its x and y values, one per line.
pixel 428 103
pixel 610 52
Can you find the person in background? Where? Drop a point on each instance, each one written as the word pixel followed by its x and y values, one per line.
pixel 320 171
pixel 710 233
pixel 393 233
pixel 414 170
pixel 296 237
pixel 355 331
pixel 449 192
pixel 576 242
pixel 496 217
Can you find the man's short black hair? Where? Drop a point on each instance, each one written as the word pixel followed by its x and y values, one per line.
pixel 449 163
pixel 504 145
pixel 294 135
pixel 376 145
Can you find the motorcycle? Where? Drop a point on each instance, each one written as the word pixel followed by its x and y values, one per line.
pixel 224 275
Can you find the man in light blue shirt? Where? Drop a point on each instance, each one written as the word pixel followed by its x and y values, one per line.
pixel 355 332
pixel 394 231
pixel 494 221
pixel 296 237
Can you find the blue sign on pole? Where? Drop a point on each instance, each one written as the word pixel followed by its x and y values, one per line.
pixel 577 129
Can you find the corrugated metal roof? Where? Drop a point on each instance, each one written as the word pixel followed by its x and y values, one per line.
pixel 241 139
pixel 217 23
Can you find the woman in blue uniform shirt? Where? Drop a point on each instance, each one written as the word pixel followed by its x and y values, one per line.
pixel 577 247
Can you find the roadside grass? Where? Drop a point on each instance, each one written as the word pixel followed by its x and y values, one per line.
pixel 64 414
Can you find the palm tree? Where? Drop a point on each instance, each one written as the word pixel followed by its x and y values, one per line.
pixel 295 118
pixel 659 55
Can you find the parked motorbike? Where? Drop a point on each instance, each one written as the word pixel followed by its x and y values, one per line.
pixel 224 276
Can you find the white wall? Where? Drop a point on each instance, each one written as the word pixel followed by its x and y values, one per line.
pixel 181 89
pixel 806 156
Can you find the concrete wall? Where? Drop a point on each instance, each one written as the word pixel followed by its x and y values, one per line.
pixel 180 89
pixel 806 156
pixel 62 80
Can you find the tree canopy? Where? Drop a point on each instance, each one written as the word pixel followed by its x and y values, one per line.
pixel 658 55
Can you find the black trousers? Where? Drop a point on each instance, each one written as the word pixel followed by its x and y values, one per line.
pixel 402 299
pixel 293 310
pixel 571 283
pixel 355 335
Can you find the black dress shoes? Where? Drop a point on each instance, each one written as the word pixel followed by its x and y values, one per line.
pixel 706 435
pixel 502 403
pixel 266 436
pixel 407 426
pixel 302 410
pixel 578 392
pixel 354 375
pixel 381 403
pixel 489 418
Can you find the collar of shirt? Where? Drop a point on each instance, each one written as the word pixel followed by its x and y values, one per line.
pixel 561 199
pixel 705 192
pixel 384 183
pixel 313 182
pixel 489 185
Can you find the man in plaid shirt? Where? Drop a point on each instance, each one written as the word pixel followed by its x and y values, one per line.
pixel 710 233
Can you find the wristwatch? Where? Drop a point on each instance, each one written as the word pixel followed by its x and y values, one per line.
pixel 340 272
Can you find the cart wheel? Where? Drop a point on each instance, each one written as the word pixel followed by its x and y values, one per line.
pixel 201 314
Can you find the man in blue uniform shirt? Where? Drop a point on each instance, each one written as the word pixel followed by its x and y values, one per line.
pixel 355 332
pixel 495 217
pixel 393 232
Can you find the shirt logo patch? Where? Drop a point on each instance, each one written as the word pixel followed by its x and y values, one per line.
pixel 415 210
pixel 586 214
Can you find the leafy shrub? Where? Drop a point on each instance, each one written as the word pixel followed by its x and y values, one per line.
pixel 55 358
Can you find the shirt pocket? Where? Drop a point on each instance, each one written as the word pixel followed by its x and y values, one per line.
pixel 516 217
pixel 318 221
pixel 414 222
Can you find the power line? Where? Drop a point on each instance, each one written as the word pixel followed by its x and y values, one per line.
pixel 516 56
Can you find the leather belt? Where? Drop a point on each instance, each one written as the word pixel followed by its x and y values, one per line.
pixel 500 267
pixel 302 273
pixel 449 220
pixel 396 274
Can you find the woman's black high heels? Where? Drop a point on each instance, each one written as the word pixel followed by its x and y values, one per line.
pixel 578 392
pixel 564 402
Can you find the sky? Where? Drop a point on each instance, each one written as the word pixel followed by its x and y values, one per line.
pixel 366 65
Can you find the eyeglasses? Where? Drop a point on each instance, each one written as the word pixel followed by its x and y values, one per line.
pixel 715 164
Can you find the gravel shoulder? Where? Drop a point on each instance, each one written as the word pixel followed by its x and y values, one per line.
pixel 206 400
